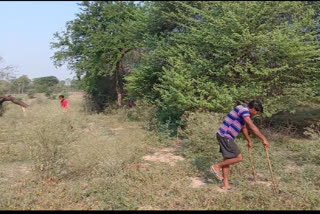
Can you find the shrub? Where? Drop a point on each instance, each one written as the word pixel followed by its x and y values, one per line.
pixel 199 133
pixel 313 131
pixel 48 144
pixel 31 93
pixel 143 111
pixel 48 93
pixel 53 97
pixel 65 93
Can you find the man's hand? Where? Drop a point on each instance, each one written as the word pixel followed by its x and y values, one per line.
pixel 266 143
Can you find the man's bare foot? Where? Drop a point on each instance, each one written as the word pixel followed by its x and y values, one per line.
pixel 216 171
pixel 226 187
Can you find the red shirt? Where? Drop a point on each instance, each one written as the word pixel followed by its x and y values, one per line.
pixel 64 103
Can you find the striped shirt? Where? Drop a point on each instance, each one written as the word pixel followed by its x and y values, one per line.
pixel 234 122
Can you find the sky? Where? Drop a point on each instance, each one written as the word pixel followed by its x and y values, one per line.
pixel 26 30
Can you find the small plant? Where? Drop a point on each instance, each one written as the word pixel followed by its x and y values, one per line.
pixel 313 131
pixel 31 93
pixel 48 93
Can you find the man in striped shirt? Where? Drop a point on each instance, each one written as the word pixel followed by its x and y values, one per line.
pixel 237 120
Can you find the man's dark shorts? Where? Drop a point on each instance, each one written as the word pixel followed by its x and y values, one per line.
pixel 228 147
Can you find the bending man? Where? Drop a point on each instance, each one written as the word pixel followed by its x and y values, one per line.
pixel 239 119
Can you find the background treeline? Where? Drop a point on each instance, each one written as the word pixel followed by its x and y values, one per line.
pixel 184 56
pixel 49 85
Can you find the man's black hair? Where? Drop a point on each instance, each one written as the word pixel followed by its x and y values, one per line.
pixel 256 105
pixel 61 96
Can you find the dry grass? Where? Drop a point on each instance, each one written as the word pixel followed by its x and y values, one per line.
pixel 76 161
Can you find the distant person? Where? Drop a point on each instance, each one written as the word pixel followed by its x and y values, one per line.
pixel 237 120
pixel 131 102
pixel 64 103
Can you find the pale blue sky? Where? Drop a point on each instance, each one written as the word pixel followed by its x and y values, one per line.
pixel 26 30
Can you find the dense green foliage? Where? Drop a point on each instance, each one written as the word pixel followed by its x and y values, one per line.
pixel 196 55
pixel 95 43
pixel 225 53
pixel 21 84
pixel 43 83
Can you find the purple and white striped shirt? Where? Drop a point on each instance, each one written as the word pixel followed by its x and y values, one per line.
pixel 234 122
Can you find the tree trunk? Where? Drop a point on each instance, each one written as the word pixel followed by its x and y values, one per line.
pixel 118 76
pixel 13 100
pixel 118 86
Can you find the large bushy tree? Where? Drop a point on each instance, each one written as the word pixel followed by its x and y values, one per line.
pixel 224 53
pixel 44 84
pixel 194 54
pixel 97 41
pixel 21 84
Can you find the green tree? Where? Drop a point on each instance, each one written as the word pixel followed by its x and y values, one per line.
pixel 222 53
pixel 21 84
pixel 4 87
pixel 45 84
pixel 97 41
pixel 60 87
pixel 75 84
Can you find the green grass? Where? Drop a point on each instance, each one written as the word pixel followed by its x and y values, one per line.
pixel 79 161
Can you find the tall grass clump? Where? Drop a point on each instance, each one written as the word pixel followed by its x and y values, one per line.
pixel 48 140
pixel 48 148
pixel 199 133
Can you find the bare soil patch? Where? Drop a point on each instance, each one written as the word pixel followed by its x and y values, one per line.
pixel 116 129
pixel 11 172
pixel 197 182
pixel 165 155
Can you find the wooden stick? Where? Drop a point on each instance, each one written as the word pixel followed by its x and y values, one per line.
pixel 273 180
pixel 251 162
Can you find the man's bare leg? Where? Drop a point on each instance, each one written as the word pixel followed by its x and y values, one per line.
pixel 225 171
pixel 225 165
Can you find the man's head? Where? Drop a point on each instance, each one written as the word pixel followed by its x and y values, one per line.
pixel 255 107
pixel 61 97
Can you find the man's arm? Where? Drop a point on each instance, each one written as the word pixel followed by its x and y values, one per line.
pixel 246 135
pixel 256 131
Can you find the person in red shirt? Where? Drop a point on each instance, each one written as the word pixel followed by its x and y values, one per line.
pixel 64 103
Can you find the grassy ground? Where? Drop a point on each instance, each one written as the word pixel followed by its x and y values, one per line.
pixel 79 161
